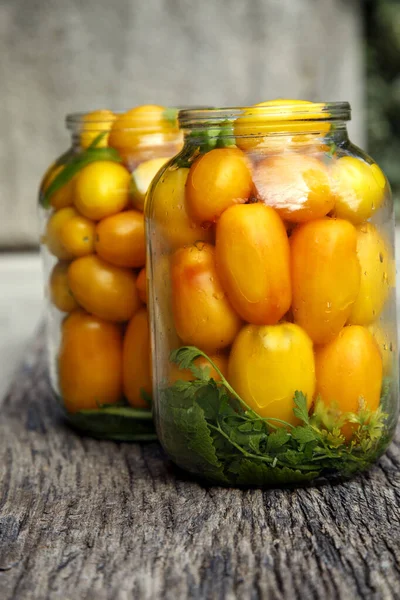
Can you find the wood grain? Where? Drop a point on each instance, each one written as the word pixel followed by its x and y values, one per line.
pixel 65 56
pixel 88 520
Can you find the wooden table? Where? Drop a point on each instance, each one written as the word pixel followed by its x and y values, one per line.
pixel 82 519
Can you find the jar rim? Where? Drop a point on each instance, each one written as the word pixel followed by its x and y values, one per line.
pixel 287 110
pixel 82 119
pixel 77 118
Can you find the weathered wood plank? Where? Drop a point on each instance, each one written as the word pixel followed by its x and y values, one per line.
pixel 98 520
pixel 58 57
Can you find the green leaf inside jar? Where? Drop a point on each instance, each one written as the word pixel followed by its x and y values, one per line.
pixel 209 429
pixel 78 162
pixel 122 423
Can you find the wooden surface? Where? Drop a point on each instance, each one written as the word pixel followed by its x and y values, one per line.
pixel 88 520
pixel 59 56
pixel 21 306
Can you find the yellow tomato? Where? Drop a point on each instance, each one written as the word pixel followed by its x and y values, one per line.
pixel 139 125
pixel 325 276
pixel 217 180
pixel 202 313
pixel 101 189
pixel 120 239
pixel 137 360
pixel 168 212
pixel 141 285
pixel 386 339
pixel 89 362
pixel 376 275
pixel 268 364
pixel 296 185
pixel 52 236
pixel 221 361
pixel 104 290
pixel 142 177
pixel 77 236
pixel 94 123
pixel 253 262
pixel 276 117
pixel 349 372
pixel 60 293
pixel 359 188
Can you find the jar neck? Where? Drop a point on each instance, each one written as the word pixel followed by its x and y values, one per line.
pixel 141 128
pixel 223 137
pixel 146 143
pixel 271 124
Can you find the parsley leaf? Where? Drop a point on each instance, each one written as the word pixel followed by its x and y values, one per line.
pixel 118 422
pixel 260 474
pixel 189 442
pixel 301 410
pixel 277 439
pixel 303 435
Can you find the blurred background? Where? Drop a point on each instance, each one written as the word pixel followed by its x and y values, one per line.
pixel 60 56
pixel 382 48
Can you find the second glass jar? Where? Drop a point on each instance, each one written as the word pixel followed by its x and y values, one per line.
pixel 93 246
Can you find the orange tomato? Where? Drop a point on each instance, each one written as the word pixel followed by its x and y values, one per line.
pixel 141 285
pixel 298 186
pixel 268 364
pixel 221 361
pixel 349 372
pixel 137 360
pixel 359 187
pixel 120 239
pixel 89 362
pixel 325 276
pixel 60 293
pixel 101 189
pixel 253 262
pixel 77 236
pixel 52 236
pixel 94 123
pixel 202 313
pixel 104 290
pixel 167 212
pixel 216 181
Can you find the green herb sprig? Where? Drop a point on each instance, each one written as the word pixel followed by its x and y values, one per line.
pixel 170 115
pixel 204 139
pixel 91 154
pixel 209 429
pixel 119 422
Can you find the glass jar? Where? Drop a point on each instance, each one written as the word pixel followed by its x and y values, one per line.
pixel 91 211
pixel 272 297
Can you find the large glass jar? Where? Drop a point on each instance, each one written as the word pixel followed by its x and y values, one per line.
pixel 272 297
pixel 92 223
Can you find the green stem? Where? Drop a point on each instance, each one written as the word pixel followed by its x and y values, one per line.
pixel 242 450
pixel 230 389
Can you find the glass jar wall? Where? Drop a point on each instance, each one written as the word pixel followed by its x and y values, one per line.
pixel 272 297
pixel 91 210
